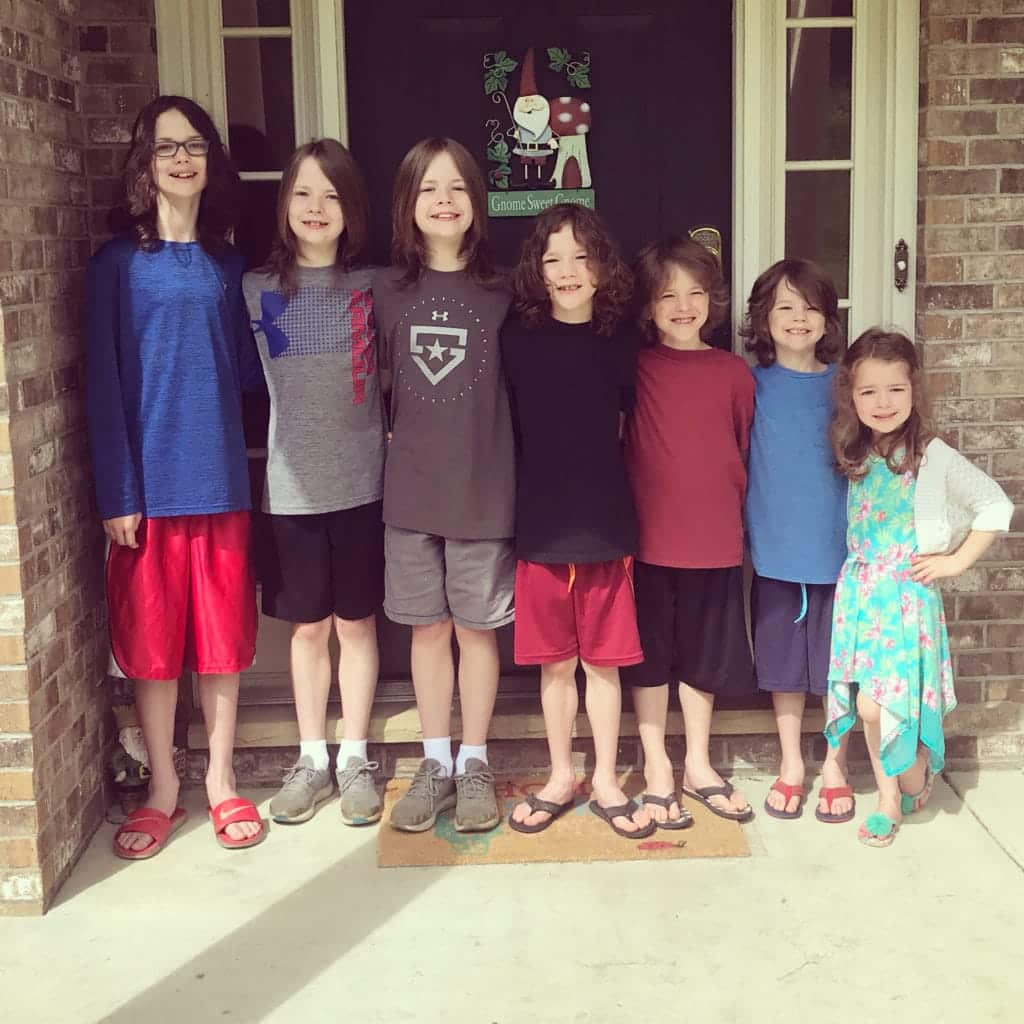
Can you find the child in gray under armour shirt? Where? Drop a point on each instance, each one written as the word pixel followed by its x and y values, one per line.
pixel 323 567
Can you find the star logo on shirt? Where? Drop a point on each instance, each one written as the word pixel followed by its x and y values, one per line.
pixel 437 350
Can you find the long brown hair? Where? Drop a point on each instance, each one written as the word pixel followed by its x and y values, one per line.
pixel 614 281
pixel 815 287
pixel 652 268
pixel 342 171
pixel 852 441
pixel 218 205
pixel 408 249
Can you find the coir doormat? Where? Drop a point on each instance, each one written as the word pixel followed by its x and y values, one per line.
pixel 578 835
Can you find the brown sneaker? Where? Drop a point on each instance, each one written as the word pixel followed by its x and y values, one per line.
pixel 430 793
pixel 476 809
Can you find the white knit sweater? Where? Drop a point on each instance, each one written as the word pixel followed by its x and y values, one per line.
pixel 954 497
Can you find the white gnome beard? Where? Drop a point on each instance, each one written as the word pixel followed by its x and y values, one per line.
pixel 531 114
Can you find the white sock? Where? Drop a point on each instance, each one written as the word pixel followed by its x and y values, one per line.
pixel 465 753
pixel 440 750
pixel 351 748
pixel 316 751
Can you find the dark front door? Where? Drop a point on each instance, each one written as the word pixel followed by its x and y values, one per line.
pixel 656 82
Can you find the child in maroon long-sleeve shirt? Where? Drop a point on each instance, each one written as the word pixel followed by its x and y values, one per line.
pixel 686 448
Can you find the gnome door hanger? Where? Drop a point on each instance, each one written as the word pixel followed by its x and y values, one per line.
pixel 537 144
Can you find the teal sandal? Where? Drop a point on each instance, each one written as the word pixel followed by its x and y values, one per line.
pixel 878 830
pixel 907 799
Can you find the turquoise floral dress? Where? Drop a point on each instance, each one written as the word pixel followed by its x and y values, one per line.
pixel 888 632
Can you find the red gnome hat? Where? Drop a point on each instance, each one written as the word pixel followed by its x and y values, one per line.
pixel 527 81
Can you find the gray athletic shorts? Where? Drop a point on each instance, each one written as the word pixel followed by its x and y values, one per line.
pixel 430 579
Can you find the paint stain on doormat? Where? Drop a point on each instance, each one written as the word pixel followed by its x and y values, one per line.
pixel 578 835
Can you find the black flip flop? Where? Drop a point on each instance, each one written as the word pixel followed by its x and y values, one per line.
pixel 704 796
pixel 626 810
pixel 685 819
pixel 545 806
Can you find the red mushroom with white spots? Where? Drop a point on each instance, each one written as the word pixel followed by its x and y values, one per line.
pixel 570 122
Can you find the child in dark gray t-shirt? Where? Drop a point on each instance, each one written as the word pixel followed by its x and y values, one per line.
pixel 322 568
pixel 449 486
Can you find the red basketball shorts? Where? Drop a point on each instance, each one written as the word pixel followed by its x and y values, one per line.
pixel 567 610
pixel 186 595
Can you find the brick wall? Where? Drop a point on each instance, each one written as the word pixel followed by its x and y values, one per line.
pixel 62 111
pixel 971 322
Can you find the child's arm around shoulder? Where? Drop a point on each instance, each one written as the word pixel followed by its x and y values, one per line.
pixel 974 491
pixel 742 401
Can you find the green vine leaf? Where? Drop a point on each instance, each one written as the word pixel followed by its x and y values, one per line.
pixel 494 83
pixel 580 79
pixel 558 58
pixel 508 65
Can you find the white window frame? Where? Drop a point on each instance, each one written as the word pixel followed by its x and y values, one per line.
pixel 883 162
pixel 191 63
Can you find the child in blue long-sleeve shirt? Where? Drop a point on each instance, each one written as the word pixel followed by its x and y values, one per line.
pixel 168 349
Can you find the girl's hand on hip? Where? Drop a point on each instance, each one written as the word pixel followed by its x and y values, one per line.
pixel 121 529
pixel 929 568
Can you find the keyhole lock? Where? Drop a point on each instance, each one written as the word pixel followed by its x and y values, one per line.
pixel 901 265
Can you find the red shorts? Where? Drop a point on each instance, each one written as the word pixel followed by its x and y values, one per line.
pixel 567 610
pixel 185 595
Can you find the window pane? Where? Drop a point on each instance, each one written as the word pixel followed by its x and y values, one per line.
pixel 261 112
pixel 818 9
pixel 818 221
pixel 255 13
pixel 819 67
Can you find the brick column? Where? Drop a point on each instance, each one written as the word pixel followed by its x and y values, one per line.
pixel 970 305
pixel 54 717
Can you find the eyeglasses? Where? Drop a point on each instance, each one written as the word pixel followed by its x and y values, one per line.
pixel 166 149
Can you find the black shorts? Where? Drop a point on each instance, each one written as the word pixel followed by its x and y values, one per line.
pixel 323 564
pixel 692 629
pixel 791 639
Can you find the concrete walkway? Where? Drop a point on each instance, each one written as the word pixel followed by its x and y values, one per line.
pixel 813 927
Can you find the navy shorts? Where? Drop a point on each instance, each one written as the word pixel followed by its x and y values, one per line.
pixel 692 629
pixel 323 564
pixel 791 656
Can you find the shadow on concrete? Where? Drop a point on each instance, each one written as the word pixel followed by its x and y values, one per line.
pixel 253 970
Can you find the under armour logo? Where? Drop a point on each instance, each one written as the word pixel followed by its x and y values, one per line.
pixel 438 315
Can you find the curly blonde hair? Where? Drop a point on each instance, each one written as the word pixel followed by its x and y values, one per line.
pixel 853 441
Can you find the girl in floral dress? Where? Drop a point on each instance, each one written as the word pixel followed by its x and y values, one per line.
pixel 918 512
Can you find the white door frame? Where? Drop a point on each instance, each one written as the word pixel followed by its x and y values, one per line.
pixel 883 155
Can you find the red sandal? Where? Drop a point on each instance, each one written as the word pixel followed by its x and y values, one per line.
pixel 150 822
pixel 787 791
pixel 831 794
pixel 234 811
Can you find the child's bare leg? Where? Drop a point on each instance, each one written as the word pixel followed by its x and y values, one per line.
pixel 651 706
pixel 357 674
pixel 218 695
pixel 789 716
pixel 560 701
pixel 478 682
pixel 835 774
pixel 433 677
pixel 604 709
pixel 913 780
pixel 888 788
pixel 697 771
pixel 311 677
pixel 155 703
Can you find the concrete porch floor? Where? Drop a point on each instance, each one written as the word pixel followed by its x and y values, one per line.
pixel 812 927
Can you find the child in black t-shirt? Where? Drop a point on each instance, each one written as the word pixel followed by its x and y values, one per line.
pixel 571 382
